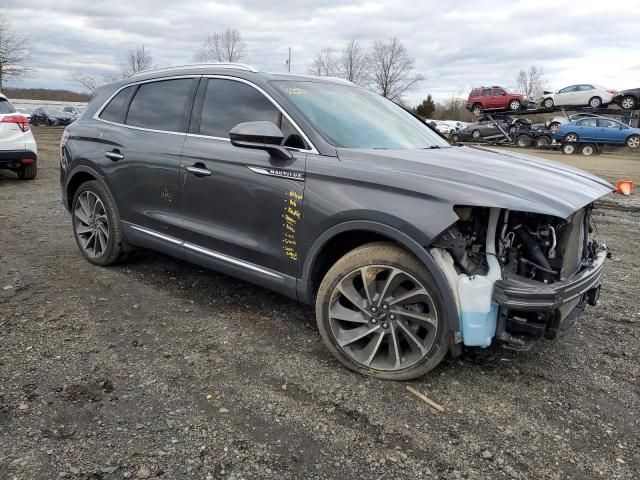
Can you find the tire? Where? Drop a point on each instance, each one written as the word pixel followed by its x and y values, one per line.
pixel 595 102
pixel 553 126
pixel 633 141
pixel 455 138
pixel 629 102
pixel 28 172
pixel 477 110
pixel 111 250
pixel 476 134
pixel 425 343
pixel 543 141
pixel 569 149
pixel 571 137
pixel 515 105
pixel 588 149
pixel 548 103
pixel 523 140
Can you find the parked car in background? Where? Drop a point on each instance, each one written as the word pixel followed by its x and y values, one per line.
pixel 485 129
pixel 555 122
pixel 73 109
pixel 51 116
pixel 408 247
pixel 494 98
pixel 443 127
pixel 455 124
pixel 599 130
pixel 583 95
pixel 18 150
pixel 628 99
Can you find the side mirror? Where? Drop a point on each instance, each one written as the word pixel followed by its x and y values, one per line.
pixel 260 135
pixel 504 94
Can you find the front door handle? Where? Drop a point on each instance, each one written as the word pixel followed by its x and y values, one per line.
pixel 199 170
pixel 114 155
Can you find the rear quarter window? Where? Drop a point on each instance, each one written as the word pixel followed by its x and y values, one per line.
pixel 113 112
pixel 6 107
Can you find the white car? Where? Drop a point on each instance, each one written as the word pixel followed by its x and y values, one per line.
pixel 18 150
pixel 583 95
pixel 443 127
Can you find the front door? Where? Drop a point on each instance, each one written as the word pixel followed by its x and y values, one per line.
pixel 242 209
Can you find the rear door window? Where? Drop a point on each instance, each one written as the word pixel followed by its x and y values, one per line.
pixel 6 107
pixel 486 92
pixel 607 123
pixel 160 105
pixel 113 112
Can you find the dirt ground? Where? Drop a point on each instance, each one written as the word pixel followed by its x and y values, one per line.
pixel 157 368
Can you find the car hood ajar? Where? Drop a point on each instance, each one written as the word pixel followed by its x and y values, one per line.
pixel 478 176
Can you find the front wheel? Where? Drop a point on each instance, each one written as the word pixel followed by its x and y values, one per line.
pixel 543 142
pixel 548 103
pixel 569 148
pixel 571 137
pixel 633 141
pixel 514 105
pixel 523 140
pixel 96 224
pixel 588 150
pixel 379 312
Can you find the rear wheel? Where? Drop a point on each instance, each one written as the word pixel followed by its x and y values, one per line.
pixel 28 172
pixel 569 148
pixel 523 140
pixel 629 102
pixel 379 312
pixel 96 224
pixel 595 102
pixel 633 141
pixel 514 105
pixel 477 110
pixel 548 103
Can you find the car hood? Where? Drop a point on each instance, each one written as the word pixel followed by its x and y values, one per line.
pixel 479 176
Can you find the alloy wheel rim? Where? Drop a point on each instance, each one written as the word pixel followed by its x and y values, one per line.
pixel 515 105
pixel 383 318
pixel 91 224
pixel 595 102
pixel 628 103
pixel 571 138
pixel 634 142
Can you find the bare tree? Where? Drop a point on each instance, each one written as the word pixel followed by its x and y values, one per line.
pixel 392 68
pixel 325 64
pixel 227 46
pixel 354 63
pixel 14 53
pixel 531 83
pixel 88 82
pixel 137 60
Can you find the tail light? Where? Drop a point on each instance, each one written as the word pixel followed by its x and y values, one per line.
pixel 23 122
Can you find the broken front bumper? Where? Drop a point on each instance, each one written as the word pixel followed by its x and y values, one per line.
pixel 522 294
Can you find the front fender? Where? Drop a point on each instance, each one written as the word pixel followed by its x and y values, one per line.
pixel 304 287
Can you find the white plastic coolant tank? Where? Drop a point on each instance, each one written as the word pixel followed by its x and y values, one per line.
pixel 478 315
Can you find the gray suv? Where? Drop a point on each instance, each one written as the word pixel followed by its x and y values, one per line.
pixel 408 246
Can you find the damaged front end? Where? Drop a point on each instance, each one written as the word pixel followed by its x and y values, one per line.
pixel 519 276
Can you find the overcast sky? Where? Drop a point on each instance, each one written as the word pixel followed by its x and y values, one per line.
pixel 456 44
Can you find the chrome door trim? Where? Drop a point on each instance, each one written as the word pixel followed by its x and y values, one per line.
pixel 210 253
pixel 279 172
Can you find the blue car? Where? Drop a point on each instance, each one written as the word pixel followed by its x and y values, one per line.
pixel 598 130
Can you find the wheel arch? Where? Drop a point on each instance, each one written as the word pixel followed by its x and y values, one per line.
pixel 341 238
pixel 79 175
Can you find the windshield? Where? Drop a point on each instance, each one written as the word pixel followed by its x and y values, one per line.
pixel 352 117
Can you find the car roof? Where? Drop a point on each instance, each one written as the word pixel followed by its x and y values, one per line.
pixel 222 68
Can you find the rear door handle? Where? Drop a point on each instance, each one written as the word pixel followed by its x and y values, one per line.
pixel 199 170
pixel 114 155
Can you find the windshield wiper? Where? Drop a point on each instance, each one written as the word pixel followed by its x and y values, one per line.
pixel 432 147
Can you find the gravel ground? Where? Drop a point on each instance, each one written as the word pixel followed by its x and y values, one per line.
pixel 157 368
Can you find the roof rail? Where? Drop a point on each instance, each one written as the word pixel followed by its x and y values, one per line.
pixel 229 65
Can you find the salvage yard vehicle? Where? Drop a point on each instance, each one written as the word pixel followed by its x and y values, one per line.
pixel 587 95
pixel 51 116
pixel 18 149
pixel 601 130
pixel 628 99
pixel 494 98
pixel 409 247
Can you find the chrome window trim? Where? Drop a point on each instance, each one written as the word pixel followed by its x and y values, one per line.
pixel 206 251
pixel 96 116
pixel 276 104
pixel 195 66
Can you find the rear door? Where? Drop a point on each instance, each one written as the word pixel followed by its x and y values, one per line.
pixel 583 94
pixel 139 151
pixel 242 214
pixel 611 131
